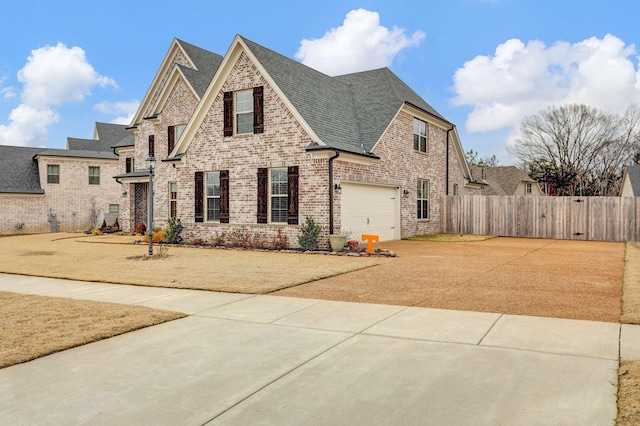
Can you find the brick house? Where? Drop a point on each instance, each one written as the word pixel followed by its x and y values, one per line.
pixel 255 142
pixel 74 184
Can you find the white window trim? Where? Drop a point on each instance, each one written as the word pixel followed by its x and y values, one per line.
pixel 237 113
pixel 423 198
pixel 172 199
pixel 207 197
pixel 426 136
pixel 270 195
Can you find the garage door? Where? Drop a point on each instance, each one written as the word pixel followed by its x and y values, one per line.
pixel 370 209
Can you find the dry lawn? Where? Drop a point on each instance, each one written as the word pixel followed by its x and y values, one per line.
pixel 116 260
pixel 451 238
pixel 35 326
pixel 629 393
pixel 631 285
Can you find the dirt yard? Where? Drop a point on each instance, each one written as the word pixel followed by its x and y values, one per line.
pixel 549 278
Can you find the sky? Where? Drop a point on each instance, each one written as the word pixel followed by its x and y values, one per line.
pixel 482 64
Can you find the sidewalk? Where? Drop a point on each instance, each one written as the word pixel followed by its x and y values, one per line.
pixel 244 359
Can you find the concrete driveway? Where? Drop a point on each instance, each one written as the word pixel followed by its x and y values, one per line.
pixel 243 359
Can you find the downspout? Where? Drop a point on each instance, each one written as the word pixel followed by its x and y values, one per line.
pixel 446 178
pixel 331 191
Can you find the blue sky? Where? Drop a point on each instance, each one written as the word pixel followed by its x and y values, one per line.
pixel 483 64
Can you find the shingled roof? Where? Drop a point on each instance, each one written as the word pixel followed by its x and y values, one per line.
pixel 634 178
pixel 348 112
pixel 502 180
pixel 19 171
pixel 206 62
pixel 113 135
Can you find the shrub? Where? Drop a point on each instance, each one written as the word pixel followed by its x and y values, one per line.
pixel 104 224
pixel 279 241
pixel 172 235
pixel 218 240
pixel 116 224
pixel 309 233
pixel 141 228
pixel 158 236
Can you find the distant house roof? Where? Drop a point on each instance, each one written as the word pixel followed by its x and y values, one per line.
pixel 501 180
pixel 101 155
pixel 19 170
pixel 633 172
pixel 76 144
pixel 113 135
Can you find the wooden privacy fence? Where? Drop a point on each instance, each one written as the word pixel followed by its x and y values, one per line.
pixel 567 218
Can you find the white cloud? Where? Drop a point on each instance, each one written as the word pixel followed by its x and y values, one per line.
pixel 53 75
pixel 125 110
pixel 360 44
pixel 519 80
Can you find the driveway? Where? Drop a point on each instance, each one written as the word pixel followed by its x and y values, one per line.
pixel 256 359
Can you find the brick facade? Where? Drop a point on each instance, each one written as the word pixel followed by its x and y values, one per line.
pixel 282 144
pixel 73 200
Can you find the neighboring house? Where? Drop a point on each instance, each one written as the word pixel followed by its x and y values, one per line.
pixel 74 184
pixel 253 142
pixel 506 180
pixel 631 182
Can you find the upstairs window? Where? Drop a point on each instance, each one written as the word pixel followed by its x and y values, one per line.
pixel 53 173
pixel 94 175
pixel 243 112
pixel 423 199
pixel 527 188
pixel 174 133
pixel 419 135
pixel 129 165
pixel 152 146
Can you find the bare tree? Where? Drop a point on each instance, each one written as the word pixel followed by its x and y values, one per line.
pixel 581 149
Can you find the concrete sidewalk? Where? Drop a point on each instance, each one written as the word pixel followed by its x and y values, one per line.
pixel 243 359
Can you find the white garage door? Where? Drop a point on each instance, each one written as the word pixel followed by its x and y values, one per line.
pixel 370 209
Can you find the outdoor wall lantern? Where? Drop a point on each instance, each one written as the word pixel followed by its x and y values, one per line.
pixel 405 192
pixel 151 163
pixel 338 188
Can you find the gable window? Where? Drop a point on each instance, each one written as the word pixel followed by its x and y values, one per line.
pixel 419 135
pixel 174 133
pixel 129 165
pixel 243 111
pixel 94 175
pixel 278 195
pixel 423 199
pixel 173 199
pixel 53 173
pixel 527 188
pixel 152 148
pixel 455 189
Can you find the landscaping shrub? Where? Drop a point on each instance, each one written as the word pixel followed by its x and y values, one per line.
pixel 172 234
pixel 279 241
pixel 141 228
pixel 309 233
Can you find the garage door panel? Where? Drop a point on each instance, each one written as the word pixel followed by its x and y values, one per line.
pixel 370 209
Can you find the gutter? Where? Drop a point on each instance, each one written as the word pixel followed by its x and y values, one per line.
pixel 337 154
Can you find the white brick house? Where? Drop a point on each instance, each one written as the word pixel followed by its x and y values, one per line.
pixel 74 184
pixel 254 142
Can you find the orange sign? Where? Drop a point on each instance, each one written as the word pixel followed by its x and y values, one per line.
pixel 370 239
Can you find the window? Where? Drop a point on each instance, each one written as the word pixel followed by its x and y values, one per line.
pixel 94 175
pixel 129 165
pixel 527 188
pixel 246 108
pixel 174 133
pixel 419 135
pixel 212 194
pixel 455 189
pixel 244 112
pixel 114 208
pixel 152 147
pixel 53 173
pixel 278 195
pixel 173 199
pixel 423 199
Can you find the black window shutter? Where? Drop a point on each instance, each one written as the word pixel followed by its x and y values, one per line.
pixel 127 167
pixel 228 113
pixel 263 194
pixel 292 195
pixel 199 197
pixel 224 196
pixel 171 141
pixel 258 113
pixel 152 148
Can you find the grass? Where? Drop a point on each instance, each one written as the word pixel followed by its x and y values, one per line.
pixel 629 393
pixel 35 326
pixel 631 285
